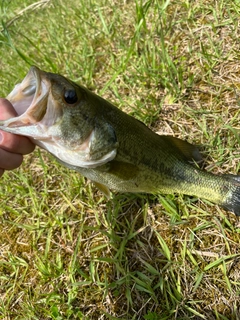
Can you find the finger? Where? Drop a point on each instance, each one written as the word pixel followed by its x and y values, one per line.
pixel 6 109
pixel 9 161
pixel 1 172
pixel 15 143
pixel 9 142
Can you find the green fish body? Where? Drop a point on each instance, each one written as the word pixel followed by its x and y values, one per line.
pixel 90 135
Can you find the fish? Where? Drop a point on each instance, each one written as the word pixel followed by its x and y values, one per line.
pixel 117 152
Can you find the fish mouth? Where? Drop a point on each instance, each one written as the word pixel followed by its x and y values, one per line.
pixel 29 99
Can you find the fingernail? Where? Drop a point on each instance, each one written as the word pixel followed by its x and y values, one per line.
pixel 1 137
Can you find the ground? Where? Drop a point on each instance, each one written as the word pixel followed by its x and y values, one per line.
pixel 66 251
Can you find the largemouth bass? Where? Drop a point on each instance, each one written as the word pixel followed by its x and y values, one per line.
pixel 90 135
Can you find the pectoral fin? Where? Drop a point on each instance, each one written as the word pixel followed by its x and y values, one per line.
pixel 123 170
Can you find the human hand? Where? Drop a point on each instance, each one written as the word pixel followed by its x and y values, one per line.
pixel 12 147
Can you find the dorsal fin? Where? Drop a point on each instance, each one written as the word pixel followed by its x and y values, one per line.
pixel 190 152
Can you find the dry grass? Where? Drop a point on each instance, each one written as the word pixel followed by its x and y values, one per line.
pixel 66 252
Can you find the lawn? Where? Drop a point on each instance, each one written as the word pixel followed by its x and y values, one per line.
pixel 67 252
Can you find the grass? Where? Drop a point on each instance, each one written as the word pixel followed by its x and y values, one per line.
pixel 68 253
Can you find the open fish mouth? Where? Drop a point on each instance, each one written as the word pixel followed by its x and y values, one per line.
pixel 27 99
pixel 30 101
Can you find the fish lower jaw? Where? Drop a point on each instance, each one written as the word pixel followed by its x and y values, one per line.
pixel 74 158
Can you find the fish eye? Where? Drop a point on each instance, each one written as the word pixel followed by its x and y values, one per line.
pixel 70 96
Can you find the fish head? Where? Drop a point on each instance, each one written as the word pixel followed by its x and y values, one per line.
pixel 60 116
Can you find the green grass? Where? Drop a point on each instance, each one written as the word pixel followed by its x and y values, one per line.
pixel 65 251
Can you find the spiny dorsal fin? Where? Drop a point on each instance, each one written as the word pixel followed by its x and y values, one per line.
pixel 190 152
